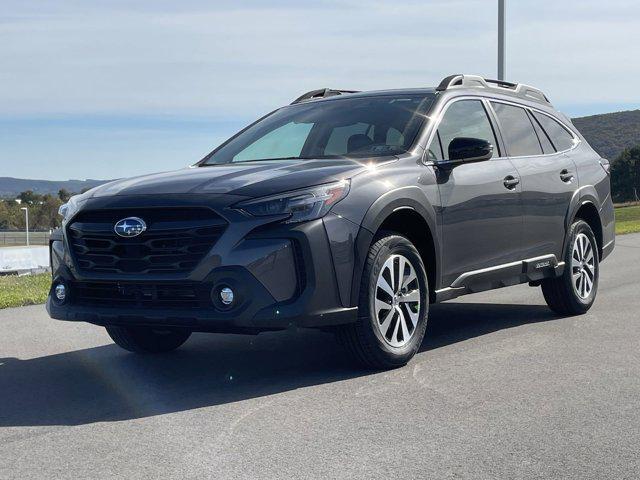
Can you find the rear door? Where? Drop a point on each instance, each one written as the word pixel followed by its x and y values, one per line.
pixel 481 214
pixel 548 176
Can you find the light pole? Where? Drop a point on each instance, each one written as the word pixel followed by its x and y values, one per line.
pixel 26 219
pixel 501 41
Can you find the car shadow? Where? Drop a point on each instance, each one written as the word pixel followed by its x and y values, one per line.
pixel 105 383
pixel 451 323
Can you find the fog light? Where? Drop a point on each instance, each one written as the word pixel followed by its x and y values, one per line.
pixel 60 292
pixel 226 296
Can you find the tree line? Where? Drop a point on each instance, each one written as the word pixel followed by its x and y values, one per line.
pixel 43 211
pixel 625 176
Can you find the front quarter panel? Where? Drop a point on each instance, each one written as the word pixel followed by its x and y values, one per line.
pixel 376 194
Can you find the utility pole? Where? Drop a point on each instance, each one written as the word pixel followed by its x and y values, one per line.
pixel 501 41
pixel 26 219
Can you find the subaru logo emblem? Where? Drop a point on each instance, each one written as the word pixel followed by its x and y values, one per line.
pixel 130 227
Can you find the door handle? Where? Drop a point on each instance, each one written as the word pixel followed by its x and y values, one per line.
pixel 511 182
pixel 566 176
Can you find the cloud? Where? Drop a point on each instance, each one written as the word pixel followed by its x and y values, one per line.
pixel 117 73
pixel 228 60
pixel 240 58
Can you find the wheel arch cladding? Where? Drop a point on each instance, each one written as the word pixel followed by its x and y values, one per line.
pixel 407 212
pixel 588 212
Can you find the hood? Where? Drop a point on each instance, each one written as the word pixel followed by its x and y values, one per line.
pixel 250 179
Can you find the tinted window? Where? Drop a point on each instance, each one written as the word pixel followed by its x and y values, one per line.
pixel 517 129
pixel 547 146
pixel 465 118
pixel 358 127
pixel 434 152
pixel 559 135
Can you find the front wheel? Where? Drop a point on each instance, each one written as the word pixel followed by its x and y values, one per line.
pixel 393 306
pixel 148 339
pixel 574 292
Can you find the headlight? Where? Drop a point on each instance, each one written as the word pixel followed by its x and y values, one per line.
pixel 300 205
pixel 67 210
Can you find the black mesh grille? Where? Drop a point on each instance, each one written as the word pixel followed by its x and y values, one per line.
pixel 142 295
pixel 175 241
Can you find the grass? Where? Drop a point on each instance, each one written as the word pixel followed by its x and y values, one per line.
pixel 627 219
pixel 26 290
pixel 33 289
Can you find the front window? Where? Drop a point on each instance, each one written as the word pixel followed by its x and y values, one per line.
pixel 361 127
pixel 464 118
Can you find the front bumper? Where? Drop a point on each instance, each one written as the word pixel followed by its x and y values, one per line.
pixel 282 276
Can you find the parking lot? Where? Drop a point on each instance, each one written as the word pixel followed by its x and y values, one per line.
pixel 501 388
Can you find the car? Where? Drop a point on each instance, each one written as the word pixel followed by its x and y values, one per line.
pixel 345 211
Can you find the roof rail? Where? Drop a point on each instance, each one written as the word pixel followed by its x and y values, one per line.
pixel 321 93
pixel 502 83
pixel 517 89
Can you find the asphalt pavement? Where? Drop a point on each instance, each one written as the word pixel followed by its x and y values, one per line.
pixel 501 388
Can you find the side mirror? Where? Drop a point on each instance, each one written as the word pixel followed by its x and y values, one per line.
pixel 464 149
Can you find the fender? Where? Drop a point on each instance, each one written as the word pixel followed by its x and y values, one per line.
pixel 582 196
pixel 56 235
pixel 412 198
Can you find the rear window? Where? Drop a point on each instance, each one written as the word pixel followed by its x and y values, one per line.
pixel 518 130
pixel 560 136
pixel 545 142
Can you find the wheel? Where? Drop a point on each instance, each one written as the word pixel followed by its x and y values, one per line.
pixel 575 290
pixel 148 339
pixel 393 305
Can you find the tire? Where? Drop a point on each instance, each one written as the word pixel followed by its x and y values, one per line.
pixel 405 319
pixel 148 339
pixel 570 294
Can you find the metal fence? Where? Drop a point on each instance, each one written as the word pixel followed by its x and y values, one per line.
pixel 17 239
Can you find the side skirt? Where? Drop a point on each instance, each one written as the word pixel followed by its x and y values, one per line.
pixel 515 273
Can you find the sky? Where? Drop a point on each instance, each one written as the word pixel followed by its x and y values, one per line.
pixel 107 89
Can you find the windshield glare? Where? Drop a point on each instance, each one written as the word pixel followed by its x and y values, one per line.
pixel 361 127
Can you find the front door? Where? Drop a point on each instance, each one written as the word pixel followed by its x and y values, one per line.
pixel 481 212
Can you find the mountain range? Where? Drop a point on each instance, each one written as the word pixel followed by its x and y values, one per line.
pixel 11 187
pixel 608 133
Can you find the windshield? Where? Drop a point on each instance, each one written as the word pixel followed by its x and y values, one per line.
pixel 361 127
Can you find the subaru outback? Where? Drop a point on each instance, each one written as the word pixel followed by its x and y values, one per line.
pixel 345 211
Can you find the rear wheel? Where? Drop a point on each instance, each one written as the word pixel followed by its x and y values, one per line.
pixel 148 339
pixel 393 305
pixel 574 292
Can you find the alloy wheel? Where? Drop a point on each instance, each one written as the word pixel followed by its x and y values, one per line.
pixel 397 301
pixel 583 268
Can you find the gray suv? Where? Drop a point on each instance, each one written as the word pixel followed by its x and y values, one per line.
pixel 346 211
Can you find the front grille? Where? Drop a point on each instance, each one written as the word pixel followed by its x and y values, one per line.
pixel 175 241
pixel 142 295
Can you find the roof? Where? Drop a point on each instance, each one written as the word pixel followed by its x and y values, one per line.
pixel 452 82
